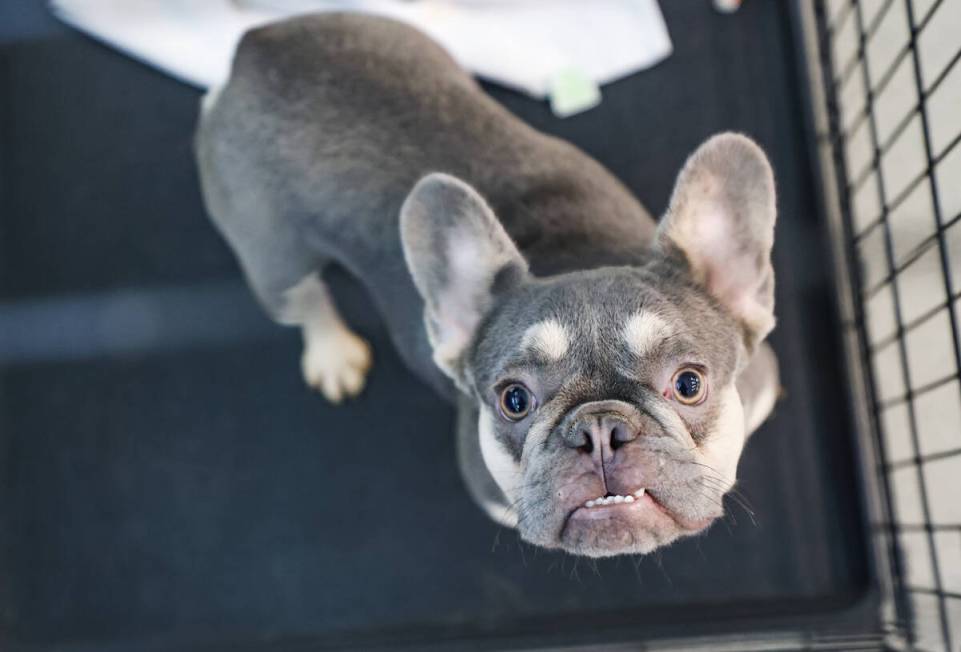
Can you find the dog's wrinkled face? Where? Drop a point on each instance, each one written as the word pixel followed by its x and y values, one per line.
pixel 608 411
pixel 609 415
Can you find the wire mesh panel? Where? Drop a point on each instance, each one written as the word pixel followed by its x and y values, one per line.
pixel 892 90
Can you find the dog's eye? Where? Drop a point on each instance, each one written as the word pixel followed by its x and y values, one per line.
pixel 516 402
pixel 689 386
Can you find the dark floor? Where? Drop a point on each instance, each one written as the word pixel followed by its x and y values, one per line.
pixel 167 480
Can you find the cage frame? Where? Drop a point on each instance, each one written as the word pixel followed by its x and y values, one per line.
pixel 831 137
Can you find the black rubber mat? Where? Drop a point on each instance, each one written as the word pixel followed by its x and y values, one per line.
pixel 169 482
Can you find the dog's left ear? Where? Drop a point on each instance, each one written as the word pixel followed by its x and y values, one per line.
pixel 721 219
pixel 458 254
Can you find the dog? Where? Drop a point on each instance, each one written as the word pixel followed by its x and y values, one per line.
pixel 607 369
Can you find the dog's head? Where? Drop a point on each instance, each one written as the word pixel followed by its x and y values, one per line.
pixel 609 415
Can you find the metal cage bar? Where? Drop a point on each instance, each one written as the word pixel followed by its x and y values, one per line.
pixel 890 266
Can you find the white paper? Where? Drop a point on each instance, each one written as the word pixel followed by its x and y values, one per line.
pixel 521 44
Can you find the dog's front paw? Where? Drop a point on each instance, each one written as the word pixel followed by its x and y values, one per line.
pixel 336 362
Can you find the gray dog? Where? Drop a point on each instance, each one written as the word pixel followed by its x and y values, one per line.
pixel 607 370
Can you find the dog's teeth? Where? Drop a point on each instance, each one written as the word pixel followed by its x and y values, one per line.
pixel 640 492
pixel 614 500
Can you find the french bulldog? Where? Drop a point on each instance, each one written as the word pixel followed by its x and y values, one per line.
pixel 607 370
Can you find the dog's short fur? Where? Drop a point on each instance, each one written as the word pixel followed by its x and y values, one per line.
pixel 498 255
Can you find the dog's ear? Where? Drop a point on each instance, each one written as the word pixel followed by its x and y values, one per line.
pixel 721 219
pixel 457 251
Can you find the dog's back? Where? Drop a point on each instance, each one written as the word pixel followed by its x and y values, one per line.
pixel 336 116
pixel 325 125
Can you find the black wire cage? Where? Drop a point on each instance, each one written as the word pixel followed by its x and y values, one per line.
pixel 886 99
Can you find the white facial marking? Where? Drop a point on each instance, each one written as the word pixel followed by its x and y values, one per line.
pixel 548 338
pixel 644 331
pixel 722 448
pixel 502 467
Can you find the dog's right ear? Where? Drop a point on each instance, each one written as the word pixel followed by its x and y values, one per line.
pixel 456 251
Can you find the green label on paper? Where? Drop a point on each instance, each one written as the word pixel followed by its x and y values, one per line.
pixel 573 92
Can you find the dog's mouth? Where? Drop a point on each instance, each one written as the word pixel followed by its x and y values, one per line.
pixel 637 504
pixel 612 520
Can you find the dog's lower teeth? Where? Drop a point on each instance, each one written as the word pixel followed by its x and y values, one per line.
pixel 615 500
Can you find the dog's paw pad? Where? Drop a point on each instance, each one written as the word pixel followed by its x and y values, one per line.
pixel 336 363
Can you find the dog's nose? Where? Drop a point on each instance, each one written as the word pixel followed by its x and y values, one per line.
pixel 599 435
